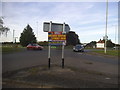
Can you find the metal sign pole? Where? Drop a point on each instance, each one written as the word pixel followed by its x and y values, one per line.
pixel 63 48
pixel 49 46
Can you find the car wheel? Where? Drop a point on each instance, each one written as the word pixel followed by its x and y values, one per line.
pixel 41 49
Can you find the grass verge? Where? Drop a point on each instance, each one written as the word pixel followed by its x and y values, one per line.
pixel 11 49
pixel 109 52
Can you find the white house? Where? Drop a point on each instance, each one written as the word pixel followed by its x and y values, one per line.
pixel 100 44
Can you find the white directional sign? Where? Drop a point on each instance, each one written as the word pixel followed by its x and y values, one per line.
pixel 55 27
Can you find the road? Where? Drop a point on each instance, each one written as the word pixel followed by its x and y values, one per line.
pixel 19 60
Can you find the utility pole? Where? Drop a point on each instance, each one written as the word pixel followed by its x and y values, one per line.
pixel 15 39
pixel 115 34
pixel 105 48
pixel 13 36
pixel 37 30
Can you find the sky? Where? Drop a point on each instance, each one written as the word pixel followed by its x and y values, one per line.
pixel 87 19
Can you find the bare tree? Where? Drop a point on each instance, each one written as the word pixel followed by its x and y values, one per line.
pixel 3 29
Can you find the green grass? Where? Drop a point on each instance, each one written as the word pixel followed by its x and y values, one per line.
pixel 109 52
pixel 11 49
pixel 69 47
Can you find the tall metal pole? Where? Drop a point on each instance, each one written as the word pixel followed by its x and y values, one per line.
pixel 13 36
pixel 37 31
pixel 105 49
pixel 63 47
pixel 115 35
pixel 15 39
pixel 49 46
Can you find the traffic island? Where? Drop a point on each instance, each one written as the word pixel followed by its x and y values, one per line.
pixel 56 77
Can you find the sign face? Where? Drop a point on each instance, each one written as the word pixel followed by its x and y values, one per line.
pixel 56 43
pixel 56 38
pixel 55 27
pixel 100 45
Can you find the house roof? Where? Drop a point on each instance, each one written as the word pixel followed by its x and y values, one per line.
pixel 101 41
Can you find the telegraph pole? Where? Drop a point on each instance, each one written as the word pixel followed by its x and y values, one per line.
pixel 105 48
pixel 115 34
pixel 37 31
pixel 15 39
pixel 13 36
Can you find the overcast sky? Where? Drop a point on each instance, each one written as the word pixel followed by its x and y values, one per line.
pixel 87 19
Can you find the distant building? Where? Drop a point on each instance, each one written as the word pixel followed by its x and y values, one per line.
pixel 92 44
pixel 100 44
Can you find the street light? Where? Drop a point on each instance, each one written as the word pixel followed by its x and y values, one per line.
pixel 37 30
pixel 13 36
pixel 105 48
pixel 115 34
pixel 15 39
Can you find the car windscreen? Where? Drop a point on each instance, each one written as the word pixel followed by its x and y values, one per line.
pixel 78 46
pixel 35 45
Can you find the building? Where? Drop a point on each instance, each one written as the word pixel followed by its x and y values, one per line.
pixel 100 44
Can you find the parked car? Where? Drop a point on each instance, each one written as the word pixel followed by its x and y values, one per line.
pixel 78 48
pixel 116 48
pixel 34 47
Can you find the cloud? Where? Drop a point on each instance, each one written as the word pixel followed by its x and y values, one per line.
pixel 59 1
pixel 97 33
pixel 85 18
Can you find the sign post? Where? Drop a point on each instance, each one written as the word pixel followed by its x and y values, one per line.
pixel 56 37
pixel 49 47
pixel 63 47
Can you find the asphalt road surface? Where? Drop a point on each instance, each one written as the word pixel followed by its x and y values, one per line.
pixel 23 59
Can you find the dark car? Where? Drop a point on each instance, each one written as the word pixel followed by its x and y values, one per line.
pixel 34 47
pixel 78 48
pixel 116 48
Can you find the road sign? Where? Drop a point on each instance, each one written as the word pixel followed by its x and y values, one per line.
pixel 55 27
pixel 57 43
pixel 56 38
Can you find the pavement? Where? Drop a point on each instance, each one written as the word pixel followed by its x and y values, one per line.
pixel 56 77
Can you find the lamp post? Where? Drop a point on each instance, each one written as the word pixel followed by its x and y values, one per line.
pixel 115 34
pixel 13 36
pixel 15 39
pixel 37 30
pixel 105 48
